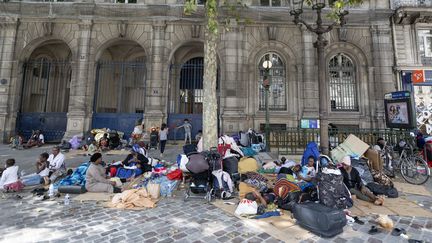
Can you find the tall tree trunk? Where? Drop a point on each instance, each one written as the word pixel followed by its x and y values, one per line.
pixel 210 106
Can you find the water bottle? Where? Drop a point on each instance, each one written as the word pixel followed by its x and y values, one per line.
pixel 51 190
pixel 67 199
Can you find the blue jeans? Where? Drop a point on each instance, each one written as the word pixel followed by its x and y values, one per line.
pixel 31 180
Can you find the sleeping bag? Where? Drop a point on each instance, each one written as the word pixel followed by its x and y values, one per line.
pixel 311 150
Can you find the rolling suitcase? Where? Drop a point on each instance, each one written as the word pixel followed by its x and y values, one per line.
pixel 189 148
pixel 319 219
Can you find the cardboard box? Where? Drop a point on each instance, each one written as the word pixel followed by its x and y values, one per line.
pixel 352 146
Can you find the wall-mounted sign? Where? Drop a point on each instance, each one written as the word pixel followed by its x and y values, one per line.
pixel 399 110
pixel 309 123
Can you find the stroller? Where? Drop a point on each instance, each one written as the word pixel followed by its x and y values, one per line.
pixel 202 167
pixel 154 138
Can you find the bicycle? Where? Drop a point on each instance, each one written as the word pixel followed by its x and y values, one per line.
pixel 412 167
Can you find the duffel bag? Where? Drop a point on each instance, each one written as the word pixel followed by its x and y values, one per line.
pixel 197 163
pixel 72 189
pixel 247 164
pixel 319 219
pixel 379 189
pixel 248 151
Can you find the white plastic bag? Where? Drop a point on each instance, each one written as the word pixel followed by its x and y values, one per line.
pixel 246 207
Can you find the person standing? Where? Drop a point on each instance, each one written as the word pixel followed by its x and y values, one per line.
pixel 163 137
pixel 188 130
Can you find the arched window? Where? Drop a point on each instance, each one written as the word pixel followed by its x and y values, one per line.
pixel 343 85
pixel 277 97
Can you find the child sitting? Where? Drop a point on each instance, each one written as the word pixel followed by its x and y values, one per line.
pixel 9 179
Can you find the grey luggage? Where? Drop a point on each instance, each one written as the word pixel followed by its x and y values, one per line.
pixel 197 163
pixel 244 139
pixel 319 219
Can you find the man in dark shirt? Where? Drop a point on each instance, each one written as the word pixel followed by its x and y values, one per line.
pixel 352 180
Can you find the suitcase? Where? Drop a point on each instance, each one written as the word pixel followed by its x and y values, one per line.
pixel 319 219
pixel 230 165
pixel 189 148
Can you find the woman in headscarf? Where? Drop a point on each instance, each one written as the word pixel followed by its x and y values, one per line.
pixel 96 181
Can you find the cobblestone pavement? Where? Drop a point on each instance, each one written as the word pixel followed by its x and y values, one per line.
pixel 31 220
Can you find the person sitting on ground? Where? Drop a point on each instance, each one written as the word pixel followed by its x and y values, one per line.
pixel 9 179
pixel 259 199
pixel 17 141
pixel 104 143
pixel 137 133
pixel 33 140
pixel 87 140
pixel 96 181
pixel 379 146
pixel 57 165
pixel 353 182
pixel 307 172
pixel 41 139
pixel 42 171
pixel 92 148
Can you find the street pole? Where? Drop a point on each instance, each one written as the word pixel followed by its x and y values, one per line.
pixel 267 123
pixel 321 42
pixel 266 83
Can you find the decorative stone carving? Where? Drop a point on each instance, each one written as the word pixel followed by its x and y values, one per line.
pixel 271 30
pixel 342 32
pixel 48 28
pixel 122 28
pixel 195 31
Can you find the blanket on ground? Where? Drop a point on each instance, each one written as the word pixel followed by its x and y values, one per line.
pixel 77 178
pixel 132 199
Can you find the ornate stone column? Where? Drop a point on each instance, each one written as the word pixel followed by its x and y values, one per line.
pixel 8 32
pixel 154 113
pixel 233 90
pixel 383 62
pixel 309 82
pixel 77 101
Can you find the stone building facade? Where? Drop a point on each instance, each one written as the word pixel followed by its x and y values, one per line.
pixel 413 44
pixel 67 67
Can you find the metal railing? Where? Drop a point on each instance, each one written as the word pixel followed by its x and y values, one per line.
pixel 411 3
pixel 294 140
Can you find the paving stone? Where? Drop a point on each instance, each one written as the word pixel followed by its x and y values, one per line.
pixel 167 240
pixel 179 236
pixel 264 236
pixel 223 239
pixel 339 240
pixel 118 239
pixel 237 240
pixel 374 240
pixel 149 235
pixel 219 233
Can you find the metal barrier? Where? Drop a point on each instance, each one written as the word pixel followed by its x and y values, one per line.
pixel 294 140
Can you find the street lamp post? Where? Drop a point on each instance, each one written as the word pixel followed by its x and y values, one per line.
pixel 266 83
pixel 321 42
